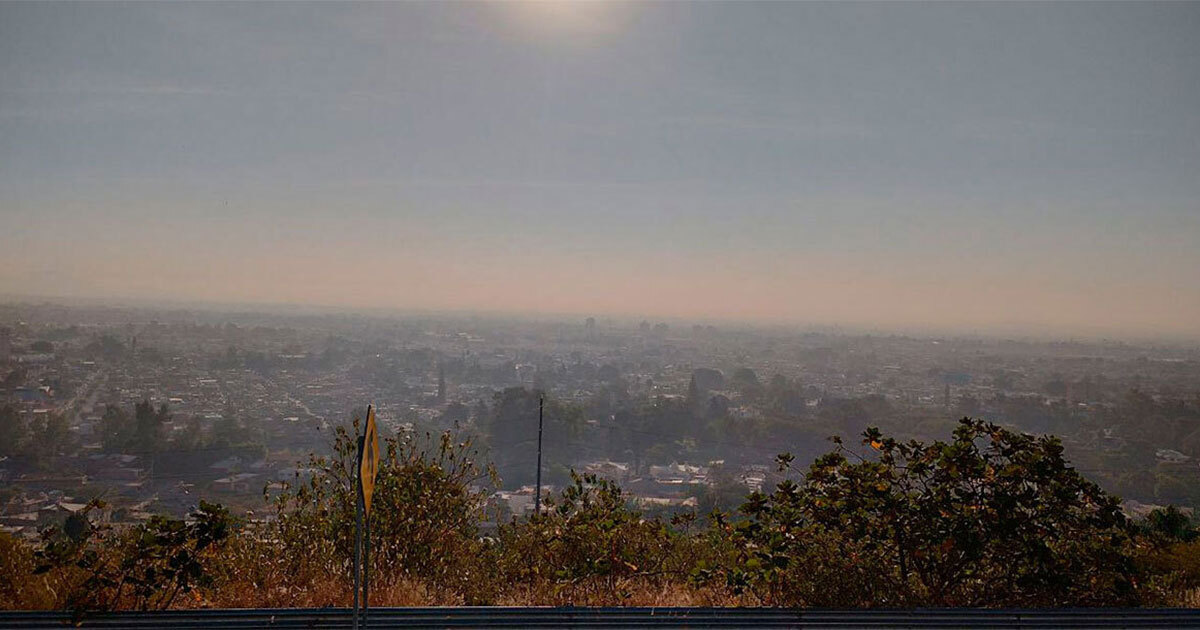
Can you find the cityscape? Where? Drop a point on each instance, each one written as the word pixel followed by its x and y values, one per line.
pixel 686 416
pixel 601 314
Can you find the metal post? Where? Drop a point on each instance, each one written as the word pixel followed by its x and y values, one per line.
pixel 366 567
pixel 537 498
pixel 358 523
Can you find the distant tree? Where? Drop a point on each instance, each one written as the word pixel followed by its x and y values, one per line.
pixel 42 347
pixel 1171 523
pixel 708 379
pixel 148 424
pixel 1175 487
pixel 116 429
pixel 49 438
pixel 694 397
pixel 608 372
pixel 228 431
pixel 746 382
pixel 14 378
pixel 190 438
pixel 512 427
pixel 107 346
pixel 744 376
pixel 455 413
pixel 718 406
pixel 1056 386
pixel 784 397
pixel 13 432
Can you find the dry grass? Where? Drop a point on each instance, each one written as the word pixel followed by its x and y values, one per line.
pixel 661 594
pixel 337 591
pixel 1189 598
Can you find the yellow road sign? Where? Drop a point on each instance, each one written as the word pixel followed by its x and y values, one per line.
pixel 368 463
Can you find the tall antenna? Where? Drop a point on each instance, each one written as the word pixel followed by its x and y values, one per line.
pixel 537 497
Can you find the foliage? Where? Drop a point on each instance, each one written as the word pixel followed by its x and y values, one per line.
pixel 590 546
pixel 19 588
pixel 989 518
pixel 140 434
pixel 14 434
pixel 512 430
pixel 1170 523
pixel 142 568
pixel 35 442
pixel 425 511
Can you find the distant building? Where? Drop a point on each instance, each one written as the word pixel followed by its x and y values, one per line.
pixel 1171 456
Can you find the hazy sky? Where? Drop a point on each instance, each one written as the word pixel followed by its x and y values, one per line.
pixel 964 165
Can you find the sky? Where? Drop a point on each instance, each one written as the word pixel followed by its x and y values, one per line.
pixel 1022 166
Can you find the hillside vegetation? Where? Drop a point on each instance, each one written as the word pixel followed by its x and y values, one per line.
pixel 987 517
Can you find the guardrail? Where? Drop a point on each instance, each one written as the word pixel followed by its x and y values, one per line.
pixel 506 617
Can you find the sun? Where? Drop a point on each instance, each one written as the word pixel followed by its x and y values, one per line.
pixel 569 17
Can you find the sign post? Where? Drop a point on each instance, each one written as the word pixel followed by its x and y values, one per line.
pixel 368 466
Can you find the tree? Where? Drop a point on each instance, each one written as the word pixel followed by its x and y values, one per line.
pixel 227 432
pixel 116 429
pixel 744 377
pixel 13 432
pixel 190 438
pixel 990 518
pixel 49 438
pixel 1171 523
pixel 746 382
pixel 512 433
pixel 148 423
pixel 14 378
pixel 694 398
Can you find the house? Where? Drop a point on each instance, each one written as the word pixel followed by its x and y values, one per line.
pixel 235 484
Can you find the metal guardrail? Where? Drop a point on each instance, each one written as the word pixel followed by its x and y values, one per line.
pixel 505 617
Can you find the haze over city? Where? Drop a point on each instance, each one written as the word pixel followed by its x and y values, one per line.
pixel 599 314
pixel 1012 167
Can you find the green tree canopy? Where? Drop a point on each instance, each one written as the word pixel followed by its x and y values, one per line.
pixel 989 518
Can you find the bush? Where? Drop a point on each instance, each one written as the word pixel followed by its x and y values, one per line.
pixel 991 518
pixel 988 518
pixel 590 548
pixel 141 568
pixel 424 522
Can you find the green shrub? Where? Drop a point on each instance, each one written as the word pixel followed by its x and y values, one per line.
pixel 590 547
pixel 428 502
pixel 146 567
pixel 990 518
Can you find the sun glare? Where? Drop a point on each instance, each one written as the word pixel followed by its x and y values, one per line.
pixel 569 17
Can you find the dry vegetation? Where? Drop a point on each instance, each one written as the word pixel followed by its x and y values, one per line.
pixel 988 518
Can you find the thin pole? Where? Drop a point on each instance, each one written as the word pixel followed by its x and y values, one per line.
pixel 537 498
pixel 358 523
pixel 366 566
